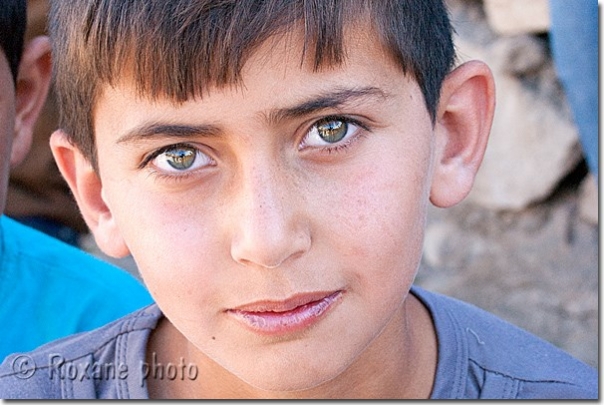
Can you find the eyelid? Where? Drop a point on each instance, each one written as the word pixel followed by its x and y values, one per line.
pixel 343 118
pixel 147 159
pixel 335 117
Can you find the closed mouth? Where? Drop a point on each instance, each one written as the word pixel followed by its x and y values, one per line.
pixel 278 317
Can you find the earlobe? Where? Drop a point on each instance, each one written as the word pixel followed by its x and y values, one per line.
pixel 463 122
pixel 33 82
pixel 87 190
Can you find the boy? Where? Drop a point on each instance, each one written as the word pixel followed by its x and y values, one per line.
pixel 48 289
pixel 268 164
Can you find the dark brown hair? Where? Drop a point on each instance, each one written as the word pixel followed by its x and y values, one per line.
pixel 180 48
pixel 13 20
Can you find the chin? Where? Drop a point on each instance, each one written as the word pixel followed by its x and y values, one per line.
pixel 291 382
pixel 296 376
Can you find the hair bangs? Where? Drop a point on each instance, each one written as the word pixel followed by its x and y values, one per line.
pixel 203 45
pixel 181 49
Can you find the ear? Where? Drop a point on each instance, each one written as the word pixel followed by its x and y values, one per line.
pixel 462 127
pixel 33 82
pixel 87 188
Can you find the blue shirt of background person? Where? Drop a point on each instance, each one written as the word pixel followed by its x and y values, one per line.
pixel 49 289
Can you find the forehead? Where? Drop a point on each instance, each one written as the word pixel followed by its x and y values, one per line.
pixel 365 62
pixel 286 57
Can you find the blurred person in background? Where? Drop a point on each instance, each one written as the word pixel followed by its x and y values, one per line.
pixel 37 194
pixel 48 289
pixel 574 45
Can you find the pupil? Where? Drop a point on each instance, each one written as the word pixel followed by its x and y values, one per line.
pixel 333 131
pixel 180 159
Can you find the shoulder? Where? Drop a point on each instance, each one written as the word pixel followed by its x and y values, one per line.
pixel 44 261
pixel 66 289
pixel 25 245
pixel 484 356
pixel 86 365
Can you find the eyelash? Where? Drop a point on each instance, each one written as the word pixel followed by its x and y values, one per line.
pixel 148 158
pixel 345 144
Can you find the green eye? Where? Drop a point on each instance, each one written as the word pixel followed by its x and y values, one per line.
pixel 180 158
pixel 332 131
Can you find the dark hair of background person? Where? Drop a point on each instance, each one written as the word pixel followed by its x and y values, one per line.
pixel 13 20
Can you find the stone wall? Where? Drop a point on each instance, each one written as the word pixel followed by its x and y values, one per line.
pixel 520 245
pixel 533 142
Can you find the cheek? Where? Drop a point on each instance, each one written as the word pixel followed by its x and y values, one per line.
pixel 382 209
pixel 174 253
pixel 379 225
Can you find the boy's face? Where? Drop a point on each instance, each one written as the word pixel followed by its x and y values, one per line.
pixel 277 223
pixel 270 216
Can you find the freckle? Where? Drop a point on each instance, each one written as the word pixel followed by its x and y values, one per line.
pixel 213 337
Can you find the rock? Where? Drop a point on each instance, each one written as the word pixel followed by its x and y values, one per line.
pixel 512 17
pixel 520 55
pixel 588 200
pixel 533 142
pixel 435 239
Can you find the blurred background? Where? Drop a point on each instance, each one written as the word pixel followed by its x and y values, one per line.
pixel 524 244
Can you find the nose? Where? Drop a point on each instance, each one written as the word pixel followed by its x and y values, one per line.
pixel 270 226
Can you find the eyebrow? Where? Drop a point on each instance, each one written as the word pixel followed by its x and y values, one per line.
pixel 332 99
pixel 151 130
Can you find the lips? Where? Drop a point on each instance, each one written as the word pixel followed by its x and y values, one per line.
pixel 279 317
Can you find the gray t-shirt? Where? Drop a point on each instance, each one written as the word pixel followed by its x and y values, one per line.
pixel 479 356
